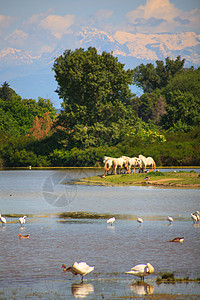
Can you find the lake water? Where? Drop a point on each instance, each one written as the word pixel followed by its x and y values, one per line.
pixel 31 268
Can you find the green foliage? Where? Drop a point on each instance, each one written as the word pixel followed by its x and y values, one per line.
pixel 150 78
pixel 94 88
pixel 102 117
pixel 182 96
pixel 6 93
pixel 17 115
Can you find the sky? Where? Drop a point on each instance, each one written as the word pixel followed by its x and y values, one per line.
pixel 38 27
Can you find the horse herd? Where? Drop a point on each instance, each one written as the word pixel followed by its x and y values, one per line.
pixel 127 164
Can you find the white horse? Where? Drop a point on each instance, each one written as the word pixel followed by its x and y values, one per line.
pixel 120 163
pixel 126 159
pixel 132 163
pixel 108 164
pixel 146 161
pixel 115 163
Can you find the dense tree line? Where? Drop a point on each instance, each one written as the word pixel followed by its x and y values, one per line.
pixel 101 116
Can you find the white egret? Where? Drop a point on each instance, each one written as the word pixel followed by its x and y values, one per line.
pixel 2 219
pixel 22 220
pixel 141 270
pixel 139 220
pixel 111 220
pixel 197 215
pixel 170 219
pixel 78 268
pixel 194 218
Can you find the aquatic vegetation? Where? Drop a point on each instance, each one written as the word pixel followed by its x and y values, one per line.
pixel 170 278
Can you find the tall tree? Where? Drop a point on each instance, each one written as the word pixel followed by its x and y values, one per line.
pixel 96 93
pixel 92 85
pixel 149 78
pixel 182 96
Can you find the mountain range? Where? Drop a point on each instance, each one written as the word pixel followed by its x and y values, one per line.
pixel 31 75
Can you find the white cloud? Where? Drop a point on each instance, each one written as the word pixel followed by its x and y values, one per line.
pixel 162 16
pixel 5 22
pixel 57 25
pixel 103 14
pixel 37 17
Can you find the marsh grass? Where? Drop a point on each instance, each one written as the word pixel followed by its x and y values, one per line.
pixel 170 278
pixel 166 179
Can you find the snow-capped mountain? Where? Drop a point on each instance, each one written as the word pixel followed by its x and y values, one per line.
pixel 130 48
pixel 147 47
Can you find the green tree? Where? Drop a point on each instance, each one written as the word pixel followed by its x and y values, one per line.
pixel 95 92
pixel 6 93
pixel 182 96
pixel 150 78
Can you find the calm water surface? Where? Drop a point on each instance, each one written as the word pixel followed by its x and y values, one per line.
pixel 31 268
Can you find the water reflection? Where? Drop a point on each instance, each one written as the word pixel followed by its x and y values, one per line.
pixel 142 288
pixel 81 290
pixel 111 227
pixel 195 225
pixel 3 227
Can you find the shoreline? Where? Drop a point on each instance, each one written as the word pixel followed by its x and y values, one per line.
pixel 158 179
pixel 88 168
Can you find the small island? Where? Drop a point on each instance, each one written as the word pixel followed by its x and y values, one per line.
pixel 172 179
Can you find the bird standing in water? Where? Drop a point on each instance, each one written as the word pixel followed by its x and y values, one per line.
pixel 170 219
pixel 141 270
pixel 111 220
pixel 22 220
pixel 139 220
pixel 78 268
pixel 2 220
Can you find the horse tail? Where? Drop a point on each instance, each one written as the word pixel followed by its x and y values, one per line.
pixel 106 168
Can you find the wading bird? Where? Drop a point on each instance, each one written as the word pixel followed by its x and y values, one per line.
pixel 78 268
pixel 22 220
pixel 195 217
pixel 141 270
pixel 170 219
pixel 139 220
pixel 111 220
pixel 2 220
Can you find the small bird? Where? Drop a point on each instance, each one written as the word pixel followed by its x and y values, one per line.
pixel 178 239
pixel 22 220
pixel 139 220
pixel 24 236
pixel 170 219
pixel 2 220
pixel 111 220
pixel 141 270
pixel 78 268
pixel 195 217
